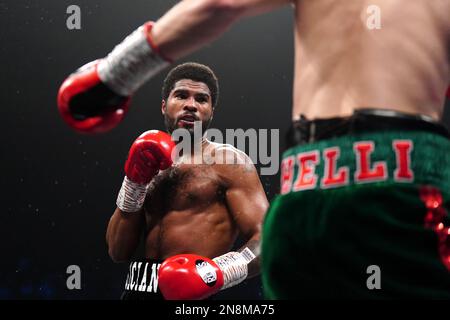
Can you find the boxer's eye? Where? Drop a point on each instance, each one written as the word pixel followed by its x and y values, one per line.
pixel 181 96
pixel 201 99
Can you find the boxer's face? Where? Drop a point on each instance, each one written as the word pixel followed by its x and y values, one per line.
pixel 189 101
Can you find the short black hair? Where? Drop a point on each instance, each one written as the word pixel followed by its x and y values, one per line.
pixel 193 71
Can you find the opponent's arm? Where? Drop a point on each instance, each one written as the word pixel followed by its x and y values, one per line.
pixel 193 23
pixel 97 96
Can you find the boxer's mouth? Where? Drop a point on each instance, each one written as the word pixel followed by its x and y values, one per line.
pixel 188 119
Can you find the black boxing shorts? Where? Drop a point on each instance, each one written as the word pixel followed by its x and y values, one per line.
pixel 142 281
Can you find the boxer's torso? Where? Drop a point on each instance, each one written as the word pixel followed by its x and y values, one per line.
pixel 342 65
pixel 186 212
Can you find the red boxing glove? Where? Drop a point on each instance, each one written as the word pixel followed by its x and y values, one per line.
pixel 189 277
pixel 87 104
pixel 150 152
pixel 96 97
pixel 193 277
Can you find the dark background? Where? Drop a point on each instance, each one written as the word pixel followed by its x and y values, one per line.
pixel 58 188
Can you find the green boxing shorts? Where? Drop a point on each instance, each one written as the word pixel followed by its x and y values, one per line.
pixel 361 216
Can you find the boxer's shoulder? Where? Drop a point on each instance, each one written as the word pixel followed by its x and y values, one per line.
pixel 231 163
pixel 228 154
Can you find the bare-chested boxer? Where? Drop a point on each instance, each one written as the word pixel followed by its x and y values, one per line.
pixel 365 185
pixel 194 206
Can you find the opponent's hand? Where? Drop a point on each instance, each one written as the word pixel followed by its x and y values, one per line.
pixel 149 153
pixel 87 104
pixel 97 96
pixel 193 277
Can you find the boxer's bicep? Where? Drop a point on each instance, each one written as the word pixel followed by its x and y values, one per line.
pixel 248 204
pixel 247 200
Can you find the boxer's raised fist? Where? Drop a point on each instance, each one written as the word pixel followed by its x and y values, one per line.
pixel 148 154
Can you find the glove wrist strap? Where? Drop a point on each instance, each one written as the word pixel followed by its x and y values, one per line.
pixel 234 267
pixel 131 196
pixel 132 62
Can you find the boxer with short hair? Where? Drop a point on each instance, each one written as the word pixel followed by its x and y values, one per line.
pixel 366 180
pixel 189 212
